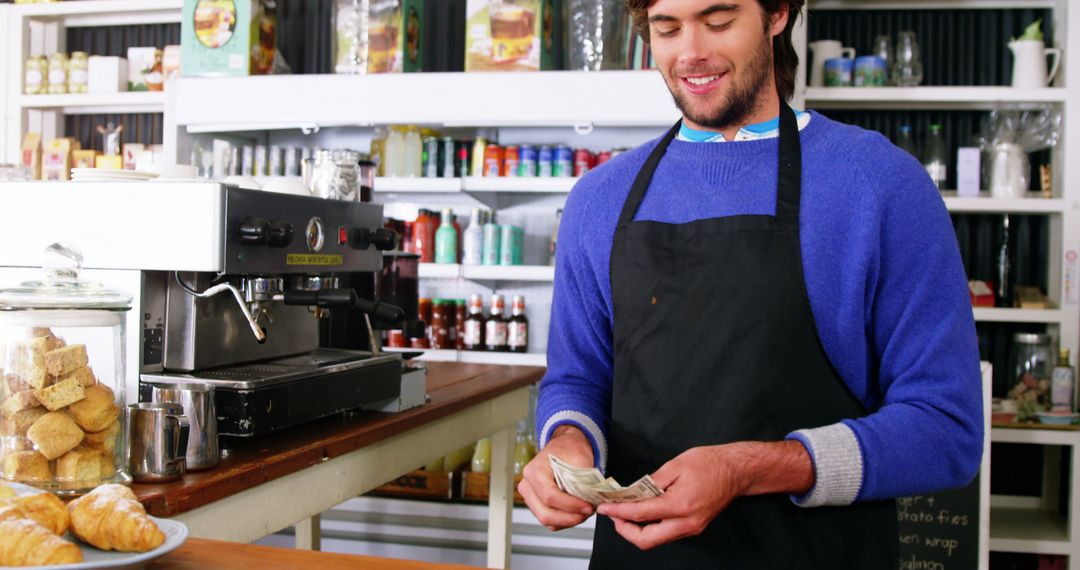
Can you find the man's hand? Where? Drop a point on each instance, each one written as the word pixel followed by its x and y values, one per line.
pixel 701 482
pixel 552 507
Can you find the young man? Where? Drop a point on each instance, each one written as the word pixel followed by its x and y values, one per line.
pixel 777 327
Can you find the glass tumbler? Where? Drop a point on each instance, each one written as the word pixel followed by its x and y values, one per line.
pixel 907 67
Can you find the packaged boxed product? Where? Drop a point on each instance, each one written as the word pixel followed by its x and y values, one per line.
pixel 170 62
pixel 395 34
pixel 227 38
pixel 145 69
pixel 84 158
pixel 131 154
pixel 106 74
pixel 56 158
pixel 31 154
pixel 511 35
pixel 109 161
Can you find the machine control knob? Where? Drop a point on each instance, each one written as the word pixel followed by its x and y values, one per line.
pixel 382 238
pixel 254 231
pixel 281 233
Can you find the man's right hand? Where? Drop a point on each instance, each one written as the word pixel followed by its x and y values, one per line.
pixel 552 507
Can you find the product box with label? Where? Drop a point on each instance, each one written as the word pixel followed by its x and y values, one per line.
pixel 56 159
pixel 31 154
pixel 395 36
pixel 227 38
pixel 170 62
pixel 145 69
pixel 106 74
pixel 84 158
pixel 511 35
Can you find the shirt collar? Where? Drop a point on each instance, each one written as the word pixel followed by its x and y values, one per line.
pixel 756 131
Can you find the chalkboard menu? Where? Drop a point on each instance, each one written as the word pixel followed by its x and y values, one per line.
pixel 941 531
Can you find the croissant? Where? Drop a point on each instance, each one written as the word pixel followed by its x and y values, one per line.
pixel 49 511
pixel 26 543
pixel 111 518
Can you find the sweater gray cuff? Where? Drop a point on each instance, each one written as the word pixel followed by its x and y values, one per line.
pixel 838 465
pixel 586 425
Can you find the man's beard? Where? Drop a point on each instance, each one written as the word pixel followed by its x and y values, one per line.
pixel 741 102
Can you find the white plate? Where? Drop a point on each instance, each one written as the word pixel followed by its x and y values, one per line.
pixel 175 535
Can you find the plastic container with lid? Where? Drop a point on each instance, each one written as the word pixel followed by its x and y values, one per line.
pixel 62 340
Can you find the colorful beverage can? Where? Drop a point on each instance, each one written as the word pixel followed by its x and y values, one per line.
pixel 447 157
pixel 527 161
pixel 564 162
pixel 492 244
pixel 544 161
pixel 583 162
pixel 510 250
pixel 603 157
pixel 511 159
pixel 493 160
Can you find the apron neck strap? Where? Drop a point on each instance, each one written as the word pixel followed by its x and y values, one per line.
pixel 789 178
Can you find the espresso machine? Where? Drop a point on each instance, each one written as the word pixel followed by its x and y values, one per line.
pixel 231 287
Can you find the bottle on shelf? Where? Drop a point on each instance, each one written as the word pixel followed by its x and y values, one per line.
pixel 394 153
pixel 378 150
pixel 460 314
pixel 446 242
pixel 496 329
pixel 474 324
pixel 1003 288
pixel 523 448
pixel 492 242
pixel 518 326
pixel 935 157
pixel 481 459
pixel 1062 385
pixel 479 149
pixel 554 237
pixel 424 236
pixel 413 153
pixel 906 141
pixel 473 239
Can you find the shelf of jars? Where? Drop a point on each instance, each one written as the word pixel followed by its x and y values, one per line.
pixel 86 13
pixel 984 203
pixel 1028 531
pixel 1010 315
pixel 1028 434
pixel 97 103
pixel 415 185
pixel 476 357
pixel 542 273
pixel 909 98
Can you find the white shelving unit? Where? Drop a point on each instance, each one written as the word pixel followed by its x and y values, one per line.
pixel 928 97
pixel 95 103
pixel 502 184
pixel 540 273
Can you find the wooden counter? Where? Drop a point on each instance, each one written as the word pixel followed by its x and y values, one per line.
pixel 200 554
pixel 278 481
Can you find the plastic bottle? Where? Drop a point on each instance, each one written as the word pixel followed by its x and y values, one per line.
pixel 378 149
pixel 446 243
pixel 906 141
pixel 935 157
pixel 424 236
pixel 473 239
pixel 394 153
pixel 1062 384
pixel 414 152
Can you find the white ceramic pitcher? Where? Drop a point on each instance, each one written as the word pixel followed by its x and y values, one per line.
pixel 1029 63
pixel 825 50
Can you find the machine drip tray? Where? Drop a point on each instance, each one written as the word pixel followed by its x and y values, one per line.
pixel 270 396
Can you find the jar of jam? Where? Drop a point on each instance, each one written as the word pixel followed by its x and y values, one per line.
pixel 77 72
pixel 58 73
pixel 36 78
pixel 459 323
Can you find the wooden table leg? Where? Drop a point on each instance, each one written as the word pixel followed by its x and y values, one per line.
pixel 501 498
pixel 309 533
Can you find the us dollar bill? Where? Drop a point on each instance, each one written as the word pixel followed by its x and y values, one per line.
pixel 589 485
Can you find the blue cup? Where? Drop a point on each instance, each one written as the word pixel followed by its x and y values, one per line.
pixel 838 72
pixel 869 71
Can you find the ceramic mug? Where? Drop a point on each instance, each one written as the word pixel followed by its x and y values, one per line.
pixel 838 72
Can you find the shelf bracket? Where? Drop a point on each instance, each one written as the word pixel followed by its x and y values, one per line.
pixel 309 129
pixel 583 129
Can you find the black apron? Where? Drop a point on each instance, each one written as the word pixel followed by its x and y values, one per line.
pixel 715 343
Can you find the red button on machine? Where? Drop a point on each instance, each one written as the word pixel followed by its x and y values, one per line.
pixel 342 236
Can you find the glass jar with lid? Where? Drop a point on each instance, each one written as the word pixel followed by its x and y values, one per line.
pixel 78 76
pixel 58 73
pixel 36 77
pixel 1031 362
pixel 62 340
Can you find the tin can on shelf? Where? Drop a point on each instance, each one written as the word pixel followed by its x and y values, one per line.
pixel 77 72
pixel 493 160
pixel 463 164
pixel 36 77
pixel 563 165
pixel 527 161
pixel 478 164
pixel 511 159
pixel 447 157
pixel 510 247
pixel 429 162
pixel 545 159
pixel 58 72
pixel 583 162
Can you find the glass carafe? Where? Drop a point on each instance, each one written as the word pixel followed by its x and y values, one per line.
pixel 907 67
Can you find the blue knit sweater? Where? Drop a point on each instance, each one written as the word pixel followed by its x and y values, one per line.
pixel 886 286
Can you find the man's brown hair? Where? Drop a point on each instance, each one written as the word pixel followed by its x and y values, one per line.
pixel 785 60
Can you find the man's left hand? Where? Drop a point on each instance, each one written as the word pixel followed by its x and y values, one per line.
pixel 701 482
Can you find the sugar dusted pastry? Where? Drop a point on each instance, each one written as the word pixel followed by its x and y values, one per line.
pixel 49 511
pixel 111 518
pixel 24 542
